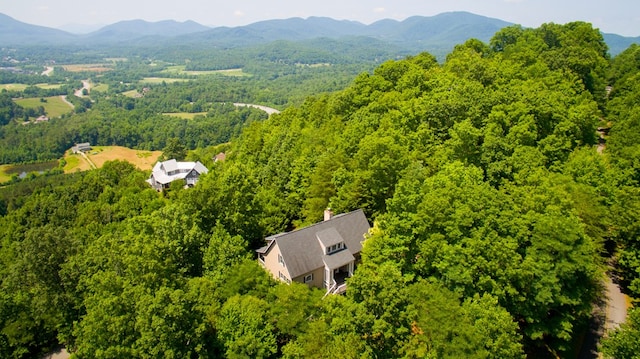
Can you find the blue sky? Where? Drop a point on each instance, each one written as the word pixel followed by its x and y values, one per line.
pixel 611 16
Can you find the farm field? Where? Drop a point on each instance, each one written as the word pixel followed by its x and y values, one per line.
pixel 185 115
pixel 13 87
pixel 100 88
pixel 88 67
pixel 159 80
pixel 131 93
pixel 49 86
pixel 54 107
pixel 21 87
pixel 144 160
pixel 180 69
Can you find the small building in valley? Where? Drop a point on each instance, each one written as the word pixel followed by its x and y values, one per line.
pixel 322 255
pixel 165 172
pixel 81 147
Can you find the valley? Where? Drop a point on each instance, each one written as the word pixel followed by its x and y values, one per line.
pixel 478 163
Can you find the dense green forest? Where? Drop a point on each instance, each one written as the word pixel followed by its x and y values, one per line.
pixel 496 211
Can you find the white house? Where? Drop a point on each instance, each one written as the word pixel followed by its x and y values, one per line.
pixel 164 173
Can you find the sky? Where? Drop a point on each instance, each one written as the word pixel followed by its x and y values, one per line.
pixel 611 16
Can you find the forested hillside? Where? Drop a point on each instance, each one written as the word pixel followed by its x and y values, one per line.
pixel 495 214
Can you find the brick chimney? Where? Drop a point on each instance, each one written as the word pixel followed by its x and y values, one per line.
pixel 328 214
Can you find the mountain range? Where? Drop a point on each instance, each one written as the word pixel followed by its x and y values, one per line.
pixel 418 33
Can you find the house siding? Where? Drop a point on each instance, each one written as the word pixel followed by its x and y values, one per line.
pixel 318 278
pixel 272 265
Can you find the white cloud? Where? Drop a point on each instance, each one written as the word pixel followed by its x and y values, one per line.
pixel 238 13
pixel 379 10
pixel 43 8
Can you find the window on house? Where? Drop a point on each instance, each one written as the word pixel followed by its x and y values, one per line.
pixel 308 278
pixel 280 259
pixel 335 247
pixel 283 277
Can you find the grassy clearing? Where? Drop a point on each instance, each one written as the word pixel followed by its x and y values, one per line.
pixel 100 88
pixel 13 87
pixel 144 160
pixel 88 68
pixel 185 115
pixel 54 106
pixel 49 86
pixel 159 80
pixel 175 69
pixel 131 93
pixel 4 176
pixel 75 163
pixel 180 70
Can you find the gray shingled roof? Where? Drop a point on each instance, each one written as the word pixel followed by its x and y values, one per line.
pixel 302 251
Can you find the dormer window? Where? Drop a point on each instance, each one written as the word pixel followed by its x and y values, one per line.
pixel 336 247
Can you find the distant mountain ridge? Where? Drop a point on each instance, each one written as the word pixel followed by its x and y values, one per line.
pixel 437 33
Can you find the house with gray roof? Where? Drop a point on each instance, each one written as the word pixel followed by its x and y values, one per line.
pixel 165 172
pixel 322 255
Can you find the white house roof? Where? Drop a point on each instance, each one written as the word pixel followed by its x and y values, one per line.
pixel 171 170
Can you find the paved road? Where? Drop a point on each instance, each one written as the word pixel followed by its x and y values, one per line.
pixel 266 109
pixel 60 354
pixel 616 306
pixel 48 71
pixel 608 314
pixel 85 85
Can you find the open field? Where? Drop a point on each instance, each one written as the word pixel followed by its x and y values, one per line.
pixel 185 115
pixel 49 86
pixel 159 80
pixel 144 160
pixel 88 67
pixel 21 87
pixel 180 69
pixel 100 88
pixel 131 93
pixel 13 87
pixel 4 176
pixel 54 107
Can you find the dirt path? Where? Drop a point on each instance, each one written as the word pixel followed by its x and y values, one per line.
pixel 48 71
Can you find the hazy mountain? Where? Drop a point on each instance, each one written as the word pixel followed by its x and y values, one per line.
pixel 618 43
pixel 135 29
pixel 416 32
pixel 436 34
pixel 14 32
pixel 80 29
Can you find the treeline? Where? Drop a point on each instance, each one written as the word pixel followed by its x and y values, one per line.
pixel 109 124
pixel 493 216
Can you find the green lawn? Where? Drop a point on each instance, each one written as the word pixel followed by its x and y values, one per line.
pixel 180 69
pixel 185 115
pixel 13 87
pixel 131 93
pixel 49 86
pixel 159 80
pixel 54 107
pixel 4 176
pixel 100 88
